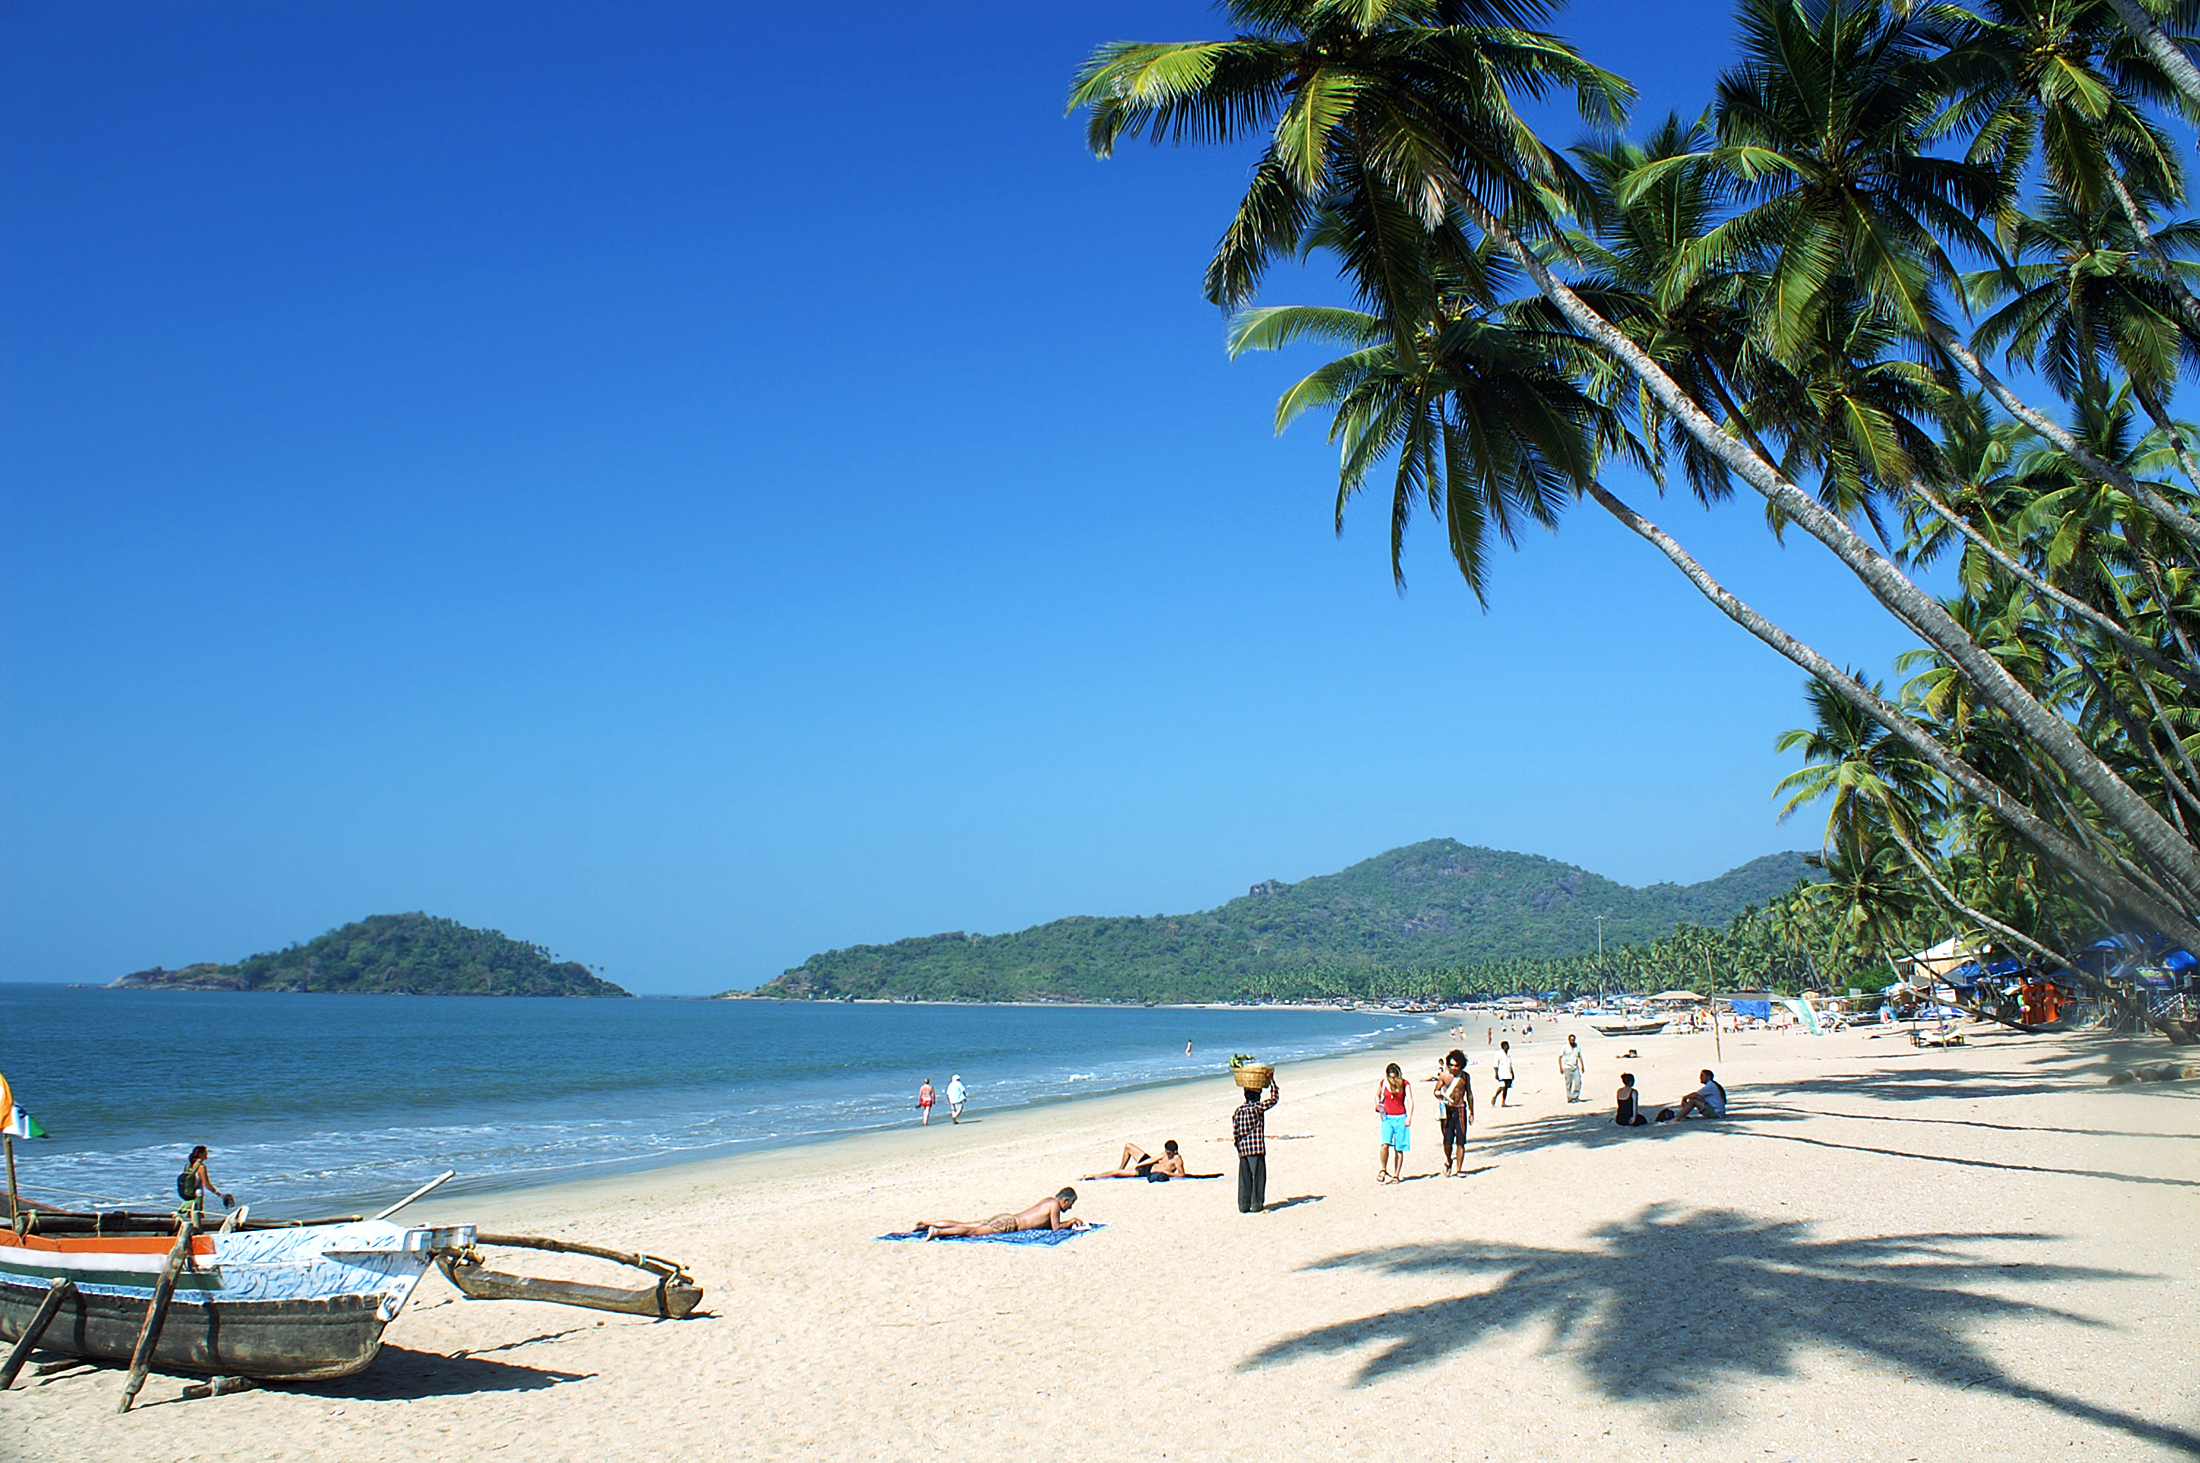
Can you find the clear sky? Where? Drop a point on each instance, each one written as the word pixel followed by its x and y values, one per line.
pixel 697 485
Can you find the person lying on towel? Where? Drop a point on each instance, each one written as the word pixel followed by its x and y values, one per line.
pixel 1049 1213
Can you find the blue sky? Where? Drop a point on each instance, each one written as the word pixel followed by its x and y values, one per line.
pixel 694 486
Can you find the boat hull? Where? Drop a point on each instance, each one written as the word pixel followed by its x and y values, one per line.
pixel 1628 1028
pixel 277 1305
pixel 283 1340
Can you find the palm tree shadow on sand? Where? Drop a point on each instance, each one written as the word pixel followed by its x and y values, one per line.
pixel 1618 1311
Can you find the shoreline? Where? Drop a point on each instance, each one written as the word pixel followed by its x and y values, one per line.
pixel 738 1158
pixel 1088 1115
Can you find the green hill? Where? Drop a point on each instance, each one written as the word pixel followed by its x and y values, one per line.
pixel 1434 904
pixel 392 954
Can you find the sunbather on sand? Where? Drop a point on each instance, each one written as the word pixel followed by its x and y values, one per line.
pixel 1137 1163
pixel 1049 1213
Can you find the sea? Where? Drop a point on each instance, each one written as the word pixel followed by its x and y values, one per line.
pixel 314 1104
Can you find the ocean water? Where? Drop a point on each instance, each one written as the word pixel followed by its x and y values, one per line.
pixel 314 1104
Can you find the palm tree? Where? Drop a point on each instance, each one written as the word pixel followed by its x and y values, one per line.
pixel 2145 20
pixel 1865 775
pixel 1486 426
pixel 1404 104
pixel 1878 794
pixel 1869 900
pixel 2078 308
pixel 2061 74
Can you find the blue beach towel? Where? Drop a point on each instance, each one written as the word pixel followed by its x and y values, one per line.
pixel 1020 1237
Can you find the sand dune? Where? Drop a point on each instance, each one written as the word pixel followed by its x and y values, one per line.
pixel 1886 1253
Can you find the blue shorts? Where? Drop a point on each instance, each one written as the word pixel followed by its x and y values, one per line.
pixel 1396 1134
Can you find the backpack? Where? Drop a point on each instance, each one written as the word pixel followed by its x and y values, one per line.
pixel 187 1185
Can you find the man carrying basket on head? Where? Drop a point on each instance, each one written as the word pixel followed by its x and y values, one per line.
pixel 1249 1129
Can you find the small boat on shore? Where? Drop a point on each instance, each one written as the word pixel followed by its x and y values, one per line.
pixel 1627 1026
pixel 671 1294
pixel 274 1302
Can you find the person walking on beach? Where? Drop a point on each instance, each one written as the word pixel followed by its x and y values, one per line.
pixel 195 1183
pixel 1394 1105
pixel 925 1099
pixel 1249 1130
pixel 957 1095
pixel 1455 1107
pixel 1502 1068
pixel 1569 1067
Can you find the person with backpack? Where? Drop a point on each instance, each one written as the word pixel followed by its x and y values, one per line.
pixel 195 1183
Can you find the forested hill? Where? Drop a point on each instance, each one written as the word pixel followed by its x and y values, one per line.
pixel 1434 904
pixel 393 954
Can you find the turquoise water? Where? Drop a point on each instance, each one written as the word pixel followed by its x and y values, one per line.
pixel 314 1103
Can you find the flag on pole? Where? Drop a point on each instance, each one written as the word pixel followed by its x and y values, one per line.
pixel 14 1122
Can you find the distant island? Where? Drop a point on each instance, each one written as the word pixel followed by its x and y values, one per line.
pixel 1429 905
pixel 392 954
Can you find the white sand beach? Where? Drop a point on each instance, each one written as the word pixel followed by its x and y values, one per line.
pixel 1884 1253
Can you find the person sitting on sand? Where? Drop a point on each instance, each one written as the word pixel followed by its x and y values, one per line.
pixel 1630 1104
pixel 1708 1100
pixel 1137 1163
pixel 1049 1213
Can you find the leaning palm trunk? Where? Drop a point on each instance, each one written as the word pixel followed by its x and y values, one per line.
pixel 2172 517
pixel 2136 217
pixel 2167 54
pixel 2157 841
pixel 2099 619
pixel 2095 874
pixel 1981 919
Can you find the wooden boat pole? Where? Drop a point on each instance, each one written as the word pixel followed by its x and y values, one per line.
pixel 14 1206
pixel 149 1334
pixel 435 1183
pixel 48 1308
pixel 1718 1047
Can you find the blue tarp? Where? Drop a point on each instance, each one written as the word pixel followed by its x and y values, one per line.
pixel 1762 1010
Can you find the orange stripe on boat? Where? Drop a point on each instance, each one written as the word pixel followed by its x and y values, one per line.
pixel 118 1244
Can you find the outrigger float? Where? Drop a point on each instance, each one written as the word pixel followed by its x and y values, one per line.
pixel 262 1300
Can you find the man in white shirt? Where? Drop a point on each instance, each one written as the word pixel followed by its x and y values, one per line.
pixel 1503 1069
pixel 1569 1067
pixel 957 1095
pixel 1708 1100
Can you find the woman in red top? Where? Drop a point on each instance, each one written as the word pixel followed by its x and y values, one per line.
pixel 1394 1105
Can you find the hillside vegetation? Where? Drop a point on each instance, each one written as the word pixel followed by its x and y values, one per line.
pixel 393 954
pixel 1438 904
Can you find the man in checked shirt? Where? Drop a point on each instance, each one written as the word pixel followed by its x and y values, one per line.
pixel 1249 1125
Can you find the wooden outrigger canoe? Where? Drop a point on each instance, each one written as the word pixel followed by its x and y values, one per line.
pixel 275 1302
pixel 671 1296
pixel 256 1301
